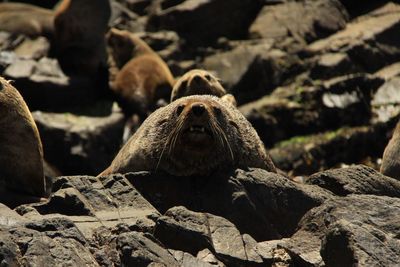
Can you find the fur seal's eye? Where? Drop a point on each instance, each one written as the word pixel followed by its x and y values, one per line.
pixel 208 77
pixel 217 111
pixel 179 109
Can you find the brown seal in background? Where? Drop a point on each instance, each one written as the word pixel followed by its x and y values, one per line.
pixel 26 19
pixel 79 35
pixel 21 157
pixel 391 156
pixel 194 135
pixel 200 82
pixel 143 79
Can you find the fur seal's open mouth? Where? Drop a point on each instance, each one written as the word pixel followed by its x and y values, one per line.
pixel 197 134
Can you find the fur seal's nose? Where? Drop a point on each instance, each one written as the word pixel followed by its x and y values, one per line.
pixel 198 109
pixel 197 79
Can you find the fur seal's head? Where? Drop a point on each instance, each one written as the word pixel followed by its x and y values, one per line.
pixel 204 134
pixel 125 46
pixel 194 135
pixel 197 82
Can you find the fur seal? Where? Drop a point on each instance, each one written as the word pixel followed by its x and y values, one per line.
pixel 26 19
pixel 79 35
pixel 391 156
pixel 143 79
pixel 200 82
pixel 194 135
pixel 21 157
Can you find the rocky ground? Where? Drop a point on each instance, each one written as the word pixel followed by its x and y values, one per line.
pixel 318 79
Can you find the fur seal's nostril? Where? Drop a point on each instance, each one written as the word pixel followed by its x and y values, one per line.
pixel 198 109
pixel 197 79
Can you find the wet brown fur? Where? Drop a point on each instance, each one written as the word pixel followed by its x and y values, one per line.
pixel 200 82
pixel 79 38
pixel 21 157
pixel 162 143
pixel 26 19
pixel 391 156
pixel 143 77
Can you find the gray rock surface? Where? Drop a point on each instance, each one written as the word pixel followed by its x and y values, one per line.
pixel 77 144
pixel 250 200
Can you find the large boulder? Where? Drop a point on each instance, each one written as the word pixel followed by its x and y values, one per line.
pixel 262 204
pixel 353 230
pixel 370 41
pixel 281 22
pixel 77 144
pixel 203 22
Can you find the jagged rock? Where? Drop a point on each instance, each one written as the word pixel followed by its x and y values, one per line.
pixel 330 65
pixel 33 48
pixel 191 231
pixel 80 144
pixel 300 110
pixel 136 249
pixel 358 179
pixel 188 260
pixel 307 154
pixel 54 242
pixel 370 41
pixel 207 256
pixel 353 230
pixel 91 202
pixel 9 217
pixel 250 71
pixel 138 6
pixel 205 21
pixel 281 22
pixel 389 72
pixel 388 93
pixel 263 204
pixel 45 87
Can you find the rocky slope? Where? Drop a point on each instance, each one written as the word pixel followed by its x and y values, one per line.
pixel 317 79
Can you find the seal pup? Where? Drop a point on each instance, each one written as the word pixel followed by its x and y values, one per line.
pixel 391 156
pixel 26 19
pixel 194 135
pixel 200 82
pixel 21 157
pixel 79 35
pixel 143 78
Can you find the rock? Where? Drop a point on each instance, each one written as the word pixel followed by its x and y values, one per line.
pixel 80 144
pixel 33 48
pixel 353 229
pixel 191 231
pixel 45 87
pixel 190 19
pixel 305 155
pixel 369 41
pixel 389 72
pixel 250 71
pixel 357 179
pixel 299 110
pixel 90 203
pixel 207 256
pixel 281 22
pixel 55 242
pixel 330 65
pixel 187 260
pixel 9 217
pixel 182 229
pixel 387 94
pixel 138 250
pixel 262 204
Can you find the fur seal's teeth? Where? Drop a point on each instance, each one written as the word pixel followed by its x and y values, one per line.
pixel 191 129
pixel 202 129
